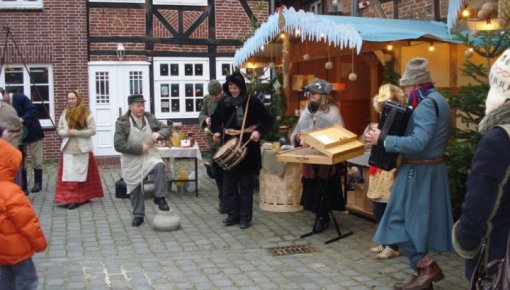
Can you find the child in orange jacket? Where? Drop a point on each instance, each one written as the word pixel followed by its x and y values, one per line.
pixel 20 233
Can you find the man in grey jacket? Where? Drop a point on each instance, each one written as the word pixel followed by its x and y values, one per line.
pixel 135 134
pixel 209 104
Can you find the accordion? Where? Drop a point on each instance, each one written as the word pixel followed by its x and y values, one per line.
pixel 394 120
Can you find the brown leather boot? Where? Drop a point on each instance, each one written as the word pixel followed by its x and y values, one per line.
pixel 427 271
pixel 411 284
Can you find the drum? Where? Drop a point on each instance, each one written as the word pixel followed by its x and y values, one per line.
pixel 230 154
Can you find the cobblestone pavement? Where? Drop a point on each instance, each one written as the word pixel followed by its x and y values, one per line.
pixel 95 247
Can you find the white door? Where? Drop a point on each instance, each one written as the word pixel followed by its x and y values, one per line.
pixel 110 83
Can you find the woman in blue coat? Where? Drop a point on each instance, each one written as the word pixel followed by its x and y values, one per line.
pixel 418 217
pixel 486 207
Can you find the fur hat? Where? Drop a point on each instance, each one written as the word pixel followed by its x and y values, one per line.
pixel 319 86
pixel 388 92
pixel 417 72
pixel 214 87
pixel 237 79
pixel 499 80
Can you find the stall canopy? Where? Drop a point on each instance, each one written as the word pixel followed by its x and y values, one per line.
pixel 339 31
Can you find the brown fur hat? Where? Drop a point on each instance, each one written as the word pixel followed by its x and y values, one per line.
pixel 388 92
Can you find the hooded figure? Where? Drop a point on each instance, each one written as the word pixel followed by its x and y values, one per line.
pixel 487 202
pixel 232 111
pixel 20 233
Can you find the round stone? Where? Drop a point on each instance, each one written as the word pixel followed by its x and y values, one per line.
pixel 166 221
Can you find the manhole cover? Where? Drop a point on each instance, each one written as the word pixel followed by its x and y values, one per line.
pixel 292 250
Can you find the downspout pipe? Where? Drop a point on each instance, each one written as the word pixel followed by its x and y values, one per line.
pixel 354 7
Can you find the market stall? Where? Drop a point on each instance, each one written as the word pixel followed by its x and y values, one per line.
pixel 356 54
pixel 351 52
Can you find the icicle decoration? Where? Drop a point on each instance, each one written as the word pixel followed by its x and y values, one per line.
pixel 311 28
pixel 454 6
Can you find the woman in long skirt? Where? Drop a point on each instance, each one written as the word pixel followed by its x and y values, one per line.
pixel 78 179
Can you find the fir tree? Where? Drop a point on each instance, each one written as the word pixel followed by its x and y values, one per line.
pixel 469 107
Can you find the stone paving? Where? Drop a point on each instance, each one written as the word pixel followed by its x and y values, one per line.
pixel 95 247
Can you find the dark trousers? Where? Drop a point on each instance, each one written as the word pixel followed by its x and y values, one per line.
pixel 411 253
pixel 22 275
pixel 238 194
pixel 378 209
pixel 160 188
pixel 218 177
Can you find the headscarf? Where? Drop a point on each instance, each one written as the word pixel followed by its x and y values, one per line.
pixel 78 115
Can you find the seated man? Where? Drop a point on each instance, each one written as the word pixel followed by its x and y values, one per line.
pixel 135 133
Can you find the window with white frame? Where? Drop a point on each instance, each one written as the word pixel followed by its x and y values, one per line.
pixel 181 2
pixel 38 86
pixel 316 7
pixel 224 68
pixel 179 86
pixel 118 1
pixel 21 4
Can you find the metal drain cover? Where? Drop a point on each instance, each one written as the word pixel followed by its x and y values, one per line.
pixel 292 250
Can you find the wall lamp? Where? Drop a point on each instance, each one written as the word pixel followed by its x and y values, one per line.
pixel 120 51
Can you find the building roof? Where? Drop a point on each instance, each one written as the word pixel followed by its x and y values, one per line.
pixel 340 31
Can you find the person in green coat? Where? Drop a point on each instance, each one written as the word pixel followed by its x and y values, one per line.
pixel 209 104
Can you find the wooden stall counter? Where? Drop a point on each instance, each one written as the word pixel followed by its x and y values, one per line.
pixel 357 200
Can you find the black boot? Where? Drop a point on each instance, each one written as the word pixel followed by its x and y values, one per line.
pixel 24 181
pixel 37 180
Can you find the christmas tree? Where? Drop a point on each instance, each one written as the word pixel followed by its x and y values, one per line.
pixel 469 106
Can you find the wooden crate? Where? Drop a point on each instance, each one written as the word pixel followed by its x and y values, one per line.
pixel 357 200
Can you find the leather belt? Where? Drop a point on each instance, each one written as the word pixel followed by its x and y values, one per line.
pixel 437 160
pixel 235 132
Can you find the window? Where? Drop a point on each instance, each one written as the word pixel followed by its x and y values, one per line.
pixel 316 7
pixel 21 4
pixel 180 86
pixel 39 88
pixel 181 2
pixel 119 1
pixel 224 68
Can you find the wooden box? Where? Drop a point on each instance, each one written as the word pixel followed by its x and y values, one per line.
pixel 304 155
pixel 331 145
pixel 327 138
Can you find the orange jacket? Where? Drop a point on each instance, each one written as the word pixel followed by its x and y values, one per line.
pixel 20 233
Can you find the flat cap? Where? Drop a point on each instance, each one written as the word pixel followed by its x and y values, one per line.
pixel 135 99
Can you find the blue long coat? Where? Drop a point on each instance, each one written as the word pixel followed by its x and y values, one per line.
pixel 419 208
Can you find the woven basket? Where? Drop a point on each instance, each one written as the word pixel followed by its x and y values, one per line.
pixel 380 184
pixel 281 194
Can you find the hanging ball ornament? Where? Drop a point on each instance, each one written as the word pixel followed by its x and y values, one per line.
pixel 468 53
pixel 328 65
pixel 353 77
pixel 306 56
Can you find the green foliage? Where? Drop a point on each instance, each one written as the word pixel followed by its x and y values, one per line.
pixel 389 73
pixel 276 104
pixel 469 105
